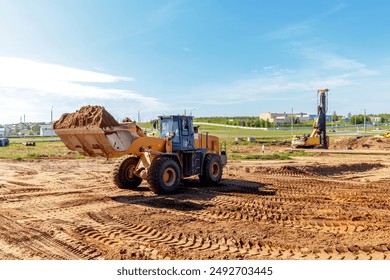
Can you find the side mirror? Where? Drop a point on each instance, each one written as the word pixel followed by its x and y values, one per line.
pixel 170 135
pixel 155 124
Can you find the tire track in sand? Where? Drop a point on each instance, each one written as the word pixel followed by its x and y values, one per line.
pixel 111 230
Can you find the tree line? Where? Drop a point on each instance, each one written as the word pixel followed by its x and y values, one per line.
pixel 236 121
pixel 250 121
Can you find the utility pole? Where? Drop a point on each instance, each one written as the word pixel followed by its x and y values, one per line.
pixel 364 120
pixel 292 121
pixel 355 125
pixel 139 114
pixel 51 122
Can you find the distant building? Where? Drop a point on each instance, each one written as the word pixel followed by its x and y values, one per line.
pixel 284 118
pixel 276 118
pixel 302 117
pixel 328 117
pixel 47 130
pixel 7 129
pixel 2 132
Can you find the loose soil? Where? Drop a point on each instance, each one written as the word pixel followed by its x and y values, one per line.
pixel 86 116
pixel 319 207
pixel 362 143
pixel 344 143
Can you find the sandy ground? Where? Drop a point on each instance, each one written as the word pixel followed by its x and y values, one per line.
pixel 321 207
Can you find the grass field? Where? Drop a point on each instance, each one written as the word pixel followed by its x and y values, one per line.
pixel 50 149
pixel 42 149
pixel 53 147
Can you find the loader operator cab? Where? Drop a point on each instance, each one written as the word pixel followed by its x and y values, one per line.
pixel 180 129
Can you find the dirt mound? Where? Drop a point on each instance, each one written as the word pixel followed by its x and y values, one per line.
pixel 310 170
pixel 86 116
pixel 334 170
pixel 355 143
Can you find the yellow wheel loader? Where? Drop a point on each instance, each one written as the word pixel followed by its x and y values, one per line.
pixel 179 151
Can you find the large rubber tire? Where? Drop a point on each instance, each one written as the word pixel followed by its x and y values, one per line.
pixel 164 175
pixel 212 170
pixel 123 175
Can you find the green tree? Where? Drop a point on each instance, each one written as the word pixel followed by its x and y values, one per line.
pixel 359 119
pixel 335 118
pixel 36 128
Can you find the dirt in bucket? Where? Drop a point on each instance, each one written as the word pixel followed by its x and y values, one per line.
pixel 86 116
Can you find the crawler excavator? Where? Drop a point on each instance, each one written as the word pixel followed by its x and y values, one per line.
pixel 179 151
pixel 318 137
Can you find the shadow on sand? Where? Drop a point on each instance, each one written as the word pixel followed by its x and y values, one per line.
pixel 192 195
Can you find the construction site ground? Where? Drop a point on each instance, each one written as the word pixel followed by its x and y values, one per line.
pixel 324 206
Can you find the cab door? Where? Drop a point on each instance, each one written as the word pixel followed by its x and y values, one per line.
pixel 187 134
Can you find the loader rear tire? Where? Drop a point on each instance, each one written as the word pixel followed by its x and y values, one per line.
pixel 123 173
pixel 212 170
pixel 164 175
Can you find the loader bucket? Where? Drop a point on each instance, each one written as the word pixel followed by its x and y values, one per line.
pixel 96 141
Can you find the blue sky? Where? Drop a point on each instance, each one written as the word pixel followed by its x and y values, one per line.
pixel 210 58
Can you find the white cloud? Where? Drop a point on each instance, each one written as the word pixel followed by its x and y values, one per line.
pixel 291 30
pixel 329 60
pixel 336 9
pixel 276 88
pixel 282 87
pixel 270 67
pixel 17 70
pixel 45 84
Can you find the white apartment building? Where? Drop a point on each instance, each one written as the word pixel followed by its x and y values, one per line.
pixel 47 130
pixel 284 118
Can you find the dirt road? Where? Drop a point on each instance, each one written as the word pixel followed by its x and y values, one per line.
pixel 324 207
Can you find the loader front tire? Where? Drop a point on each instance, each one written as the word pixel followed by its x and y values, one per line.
pixel 123 173
pixel 164 175
pixel 212 170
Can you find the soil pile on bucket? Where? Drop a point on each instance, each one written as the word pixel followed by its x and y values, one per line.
pixel 86 116
pixel 363 143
